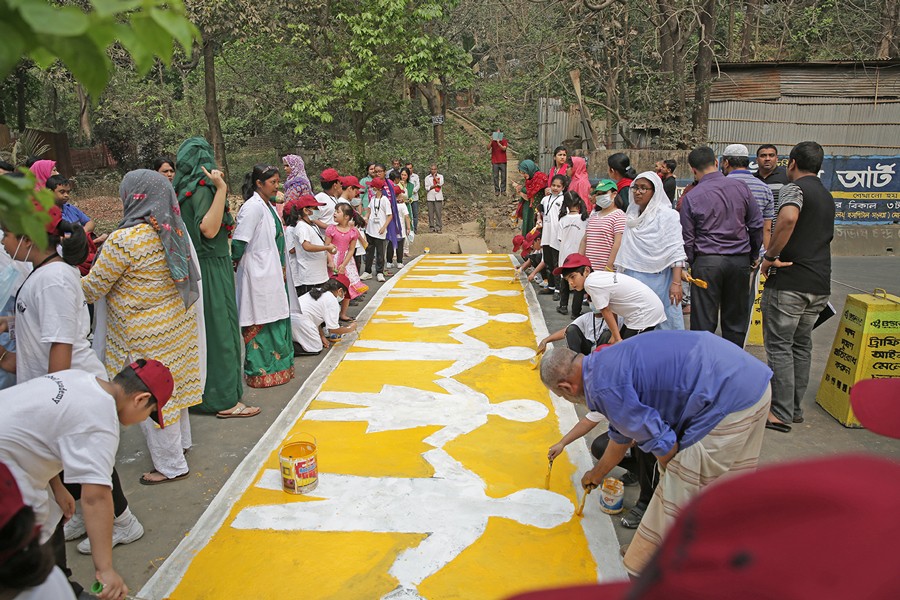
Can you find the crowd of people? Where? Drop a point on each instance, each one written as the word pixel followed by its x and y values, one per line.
pixel 690 405
pixel 170 313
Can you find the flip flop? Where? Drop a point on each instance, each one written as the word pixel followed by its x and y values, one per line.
pixel 239 413
pixel 347 320
pixel 780 427
pixel 145 481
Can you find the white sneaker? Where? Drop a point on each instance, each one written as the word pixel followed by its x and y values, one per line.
pixel 390 265
pixel 380 277
pixel 538 279
pixel 74 527
pixel 126 529
pixel 399 265
pixel 365 276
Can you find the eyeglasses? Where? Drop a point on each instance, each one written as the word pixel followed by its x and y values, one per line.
pixel 642 189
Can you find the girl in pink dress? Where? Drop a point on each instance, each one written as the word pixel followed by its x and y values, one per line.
pixel 345 236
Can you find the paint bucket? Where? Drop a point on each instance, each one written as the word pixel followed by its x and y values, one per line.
pixel 611 494
pixel 299 469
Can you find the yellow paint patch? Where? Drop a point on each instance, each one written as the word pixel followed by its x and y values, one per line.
pixel 507 455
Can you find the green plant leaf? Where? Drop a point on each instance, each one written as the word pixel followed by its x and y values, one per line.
pixel 177 26
pixel 156 39
pixel 88 63
pixel 45 18
pixel 12 46
pixel 110 8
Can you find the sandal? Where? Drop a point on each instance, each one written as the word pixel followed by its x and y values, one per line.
pixel 346 319
pixel 145 481
pixel 634 516
pixel 780 427
pixel 240 411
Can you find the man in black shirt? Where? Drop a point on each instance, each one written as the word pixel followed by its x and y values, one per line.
pixel 769 171
pixel 798 264
pixel 666 171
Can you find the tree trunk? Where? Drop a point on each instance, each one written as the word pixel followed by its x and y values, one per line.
pixel 729 44
pixel 211 108
pixel 84 116
pixel 749 24
pixel 20 99
pixel 890 18
pixel 703 71
pixel 359 147
pixel 436 107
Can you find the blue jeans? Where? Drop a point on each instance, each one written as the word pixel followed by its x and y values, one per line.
pixel 414 214
pixel 788 318
pixel 659 283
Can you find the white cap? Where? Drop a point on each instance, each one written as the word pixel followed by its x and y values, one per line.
pixel 736 150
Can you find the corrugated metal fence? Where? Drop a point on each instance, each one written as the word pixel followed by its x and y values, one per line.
pixel 553 129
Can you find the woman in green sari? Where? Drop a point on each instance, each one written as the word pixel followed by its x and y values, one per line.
pixel 530 194
pixel 201 192
pixel 263 299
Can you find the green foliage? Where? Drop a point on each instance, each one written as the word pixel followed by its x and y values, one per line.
pixel 17 207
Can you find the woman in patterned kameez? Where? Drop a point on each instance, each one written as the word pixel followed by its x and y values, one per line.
pixel 146 285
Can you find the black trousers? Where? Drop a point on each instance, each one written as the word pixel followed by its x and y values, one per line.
pixel 577 297
pixel 390 250
pixel 375 252
pixel 576 341
pixel 642 464
pixel 120 503
pixel 626 333
pixel 728 278
pixel 551 257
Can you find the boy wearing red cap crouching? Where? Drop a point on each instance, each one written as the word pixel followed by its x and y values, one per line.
pixel 68 422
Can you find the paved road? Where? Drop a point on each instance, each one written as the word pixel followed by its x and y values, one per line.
pixel 169 511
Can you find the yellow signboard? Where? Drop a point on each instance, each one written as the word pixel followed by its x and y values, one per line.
pixel 866 346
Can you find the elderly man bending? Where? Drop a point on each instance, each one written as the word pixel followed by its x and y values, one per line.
pixel 694 400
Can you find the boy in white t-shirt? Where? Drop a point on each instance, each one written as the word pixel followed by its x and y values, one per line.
pixel 615 294
pixel 328 199
pixel 68 422
pixel 378 216
pixel 309 247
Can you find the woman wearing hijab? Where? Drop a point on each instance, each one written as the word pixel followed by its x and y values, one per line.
pixel 575 168
pixel 201 192
pixel 530 194
pixel 296 181
pixel 263 300
pixel 43 170
pixel 150 282
pixel 652 249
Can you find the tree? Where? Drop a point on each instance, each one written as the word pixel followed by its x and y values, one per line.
pixel 79 38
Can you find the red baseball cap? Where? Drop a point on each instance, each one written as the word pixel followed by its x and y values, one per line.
pixel 573 261
pixel 307 200
pixel 876 403
pixel 343 280
pixel 518 242
pixel 329 175
pixel 377 183
pixel 350 181
pixel 158 379
pixel 11 504
pixel 733 540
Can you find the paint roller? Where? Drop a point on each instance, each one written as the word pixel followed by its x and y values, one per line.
pixel 698 282
pixel 587 490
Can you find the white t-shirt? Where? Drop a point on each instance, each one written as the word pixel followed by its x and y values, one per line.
pixel 550 232
pixel 434 181
pixel 629 298
pixel 55 587
pixel 403 214
pixel 305 325
pixel 312 267
pixel 290 239
pixel 51 308
pixel 596 417
pixel 61 421
pixel 591 325
pixel 571 232
pixel 360 250
pixel 325 213
pixel 379 211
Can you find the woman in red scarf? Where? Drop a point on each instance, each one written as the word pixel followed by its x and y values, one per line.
pixel 621 171
pixel 575 168
pixel 530 194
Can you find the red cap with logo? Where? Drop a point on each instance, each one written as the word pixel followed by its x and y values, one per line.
pixel 733 542
pixel 573 261
pixel 350 181
pixel 158 379
pixel 343 280
pixel 329 175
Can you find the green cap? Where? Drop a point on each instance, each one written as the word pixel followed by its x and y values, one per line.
pixel 605 185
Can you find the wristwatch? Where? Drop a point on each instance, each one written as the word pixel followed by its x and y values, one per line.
pixel 769 258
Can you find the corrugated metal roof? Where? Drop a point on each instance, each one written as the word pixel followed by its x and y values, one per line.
pixel 843 126
pixel 766 82
pixel 761 84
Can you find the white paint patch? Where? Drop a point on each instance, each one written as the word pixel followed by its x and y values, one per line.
pixel 451 507
pixel 441 317
pixel 460 411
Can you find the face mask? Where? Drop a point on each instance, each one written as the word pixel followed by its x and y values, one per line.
pixel 593 308
pixel 356 202
pixel 605 201
pixel 11 276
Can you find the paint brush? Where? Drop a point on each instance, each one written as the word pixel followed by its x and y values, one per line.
pixel 549 470
pixel 698 282
pixel 536 360
pixel 587 490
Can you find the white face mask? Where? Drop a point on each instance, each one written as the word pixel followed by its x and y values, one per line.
pixel 605 201
pixel 12 275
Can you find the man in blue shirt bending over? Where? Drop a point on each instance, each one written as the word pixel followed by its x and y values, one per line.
pixel 694 400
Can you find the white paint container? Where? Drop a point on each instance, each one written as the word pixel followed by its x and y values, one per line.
pixel 611 495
